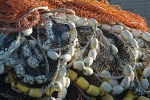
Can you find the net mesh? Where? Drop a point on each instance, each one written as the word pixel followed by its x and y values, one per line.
pixel 106 59
pixel 12 10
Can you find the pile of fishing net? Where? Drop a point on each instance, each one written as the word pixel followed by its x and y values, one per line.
pixel 73 49
pixel 20 12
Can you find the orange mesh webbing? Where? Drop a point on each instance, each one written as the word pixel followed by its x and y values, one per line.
pixel 103 12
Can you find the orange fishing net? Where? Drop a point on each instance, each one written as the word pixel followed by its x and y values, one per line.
pixel 17 11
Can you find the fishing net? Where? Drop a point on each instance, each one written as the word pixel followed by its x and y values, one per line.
pixel 29 64
pixel 106 58
pixel 36 61
pixel 12 11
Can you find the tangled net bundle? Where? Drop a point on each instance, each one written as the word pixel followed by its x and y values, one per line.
pixel 98 54
pixel 13 11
